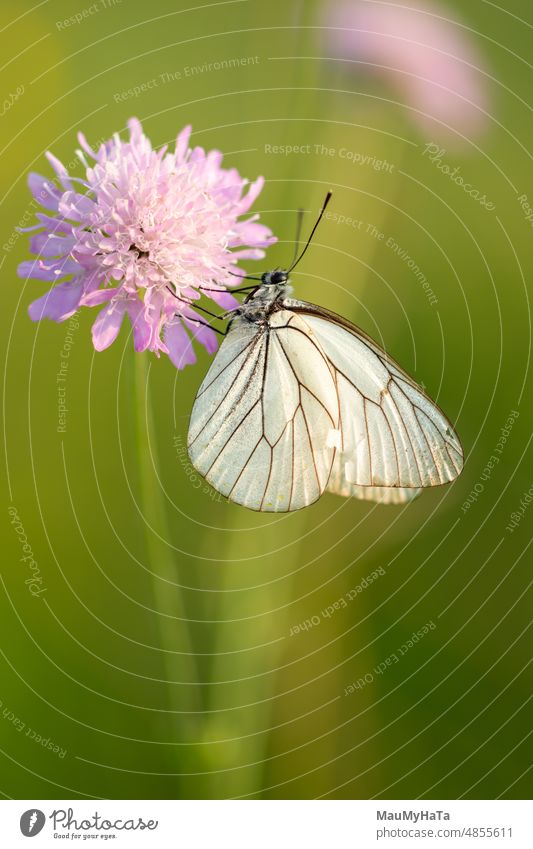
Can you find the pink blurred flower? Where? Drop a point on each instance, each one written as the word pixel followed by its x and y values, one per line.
pixel 141 228
pixel 429 59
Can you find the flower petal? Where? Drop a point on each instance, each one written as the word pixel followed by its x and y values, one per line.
pixel 135 128
pixel 59 303
pixel 251 196
pixel 60 170
pixel 222 298
pixel 74 205
pixel 48 245
pixel 201 332
pixel 44 191
pixel 180 349
pixel 182 143
pixel 142 330
pixel 248 253
pixel 101 296
pixel 106 327
pixel 51 271
pixel 252 233
pixel 86 146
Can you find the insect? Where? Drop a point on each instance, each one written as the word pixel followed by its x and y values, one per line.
pixel 298 400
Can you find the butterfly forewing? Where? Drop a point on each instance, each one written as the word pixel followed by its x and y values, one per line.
pixel 261 420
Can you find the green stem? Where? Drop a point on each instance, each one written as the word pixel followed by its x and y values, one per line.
pixel 241 760
pixel 179 660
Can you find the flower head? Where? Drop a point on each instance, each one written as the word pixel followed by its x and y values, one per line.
pixel 143 234
pixel 424 55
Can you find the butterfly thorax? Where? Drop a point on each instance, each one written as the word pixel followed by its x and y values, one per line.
pixel 267 298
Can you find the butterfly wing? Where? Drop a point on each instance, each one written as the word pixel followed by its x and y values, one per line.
pixel 260 422
pixel 382 494
pixel 390 433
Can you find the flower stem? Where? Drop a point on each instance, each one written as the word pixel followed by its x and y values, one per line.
pixel 179 662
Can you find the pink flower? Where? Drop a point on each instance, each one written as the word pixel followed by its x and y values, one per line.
pixel 144 234
pixel 430 60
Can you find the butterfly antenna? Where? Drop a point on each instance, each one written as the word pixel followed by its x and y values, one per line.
pixel 298 234
pixel 243 276
pixel 322 211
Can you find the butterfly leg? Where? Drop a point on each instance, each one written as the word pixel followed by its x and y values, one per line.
pixel 197 307
pixel 205 324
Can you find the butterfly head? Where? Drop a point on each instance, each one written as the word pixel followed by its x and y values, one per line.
pixel 278 277
pixel 258 305
pixel 274 285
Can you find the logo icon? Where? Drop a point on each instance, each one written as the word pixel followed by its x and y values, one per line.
pixel 32 822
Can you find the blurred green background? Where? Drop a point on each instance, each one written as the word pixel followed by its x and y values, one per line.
pixel 160 660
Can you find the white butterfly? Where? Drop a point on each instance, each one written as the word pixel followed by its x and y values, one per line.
pixel 298 400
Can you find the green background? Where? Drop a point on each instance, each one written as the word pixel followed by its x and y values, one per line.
pixel 160 657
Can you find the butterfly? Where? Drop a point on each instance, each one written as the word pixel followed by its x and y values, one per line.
pixel 298 401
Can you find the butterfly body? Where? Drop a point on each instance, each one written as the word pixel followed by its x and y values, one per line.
pixel 265 298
